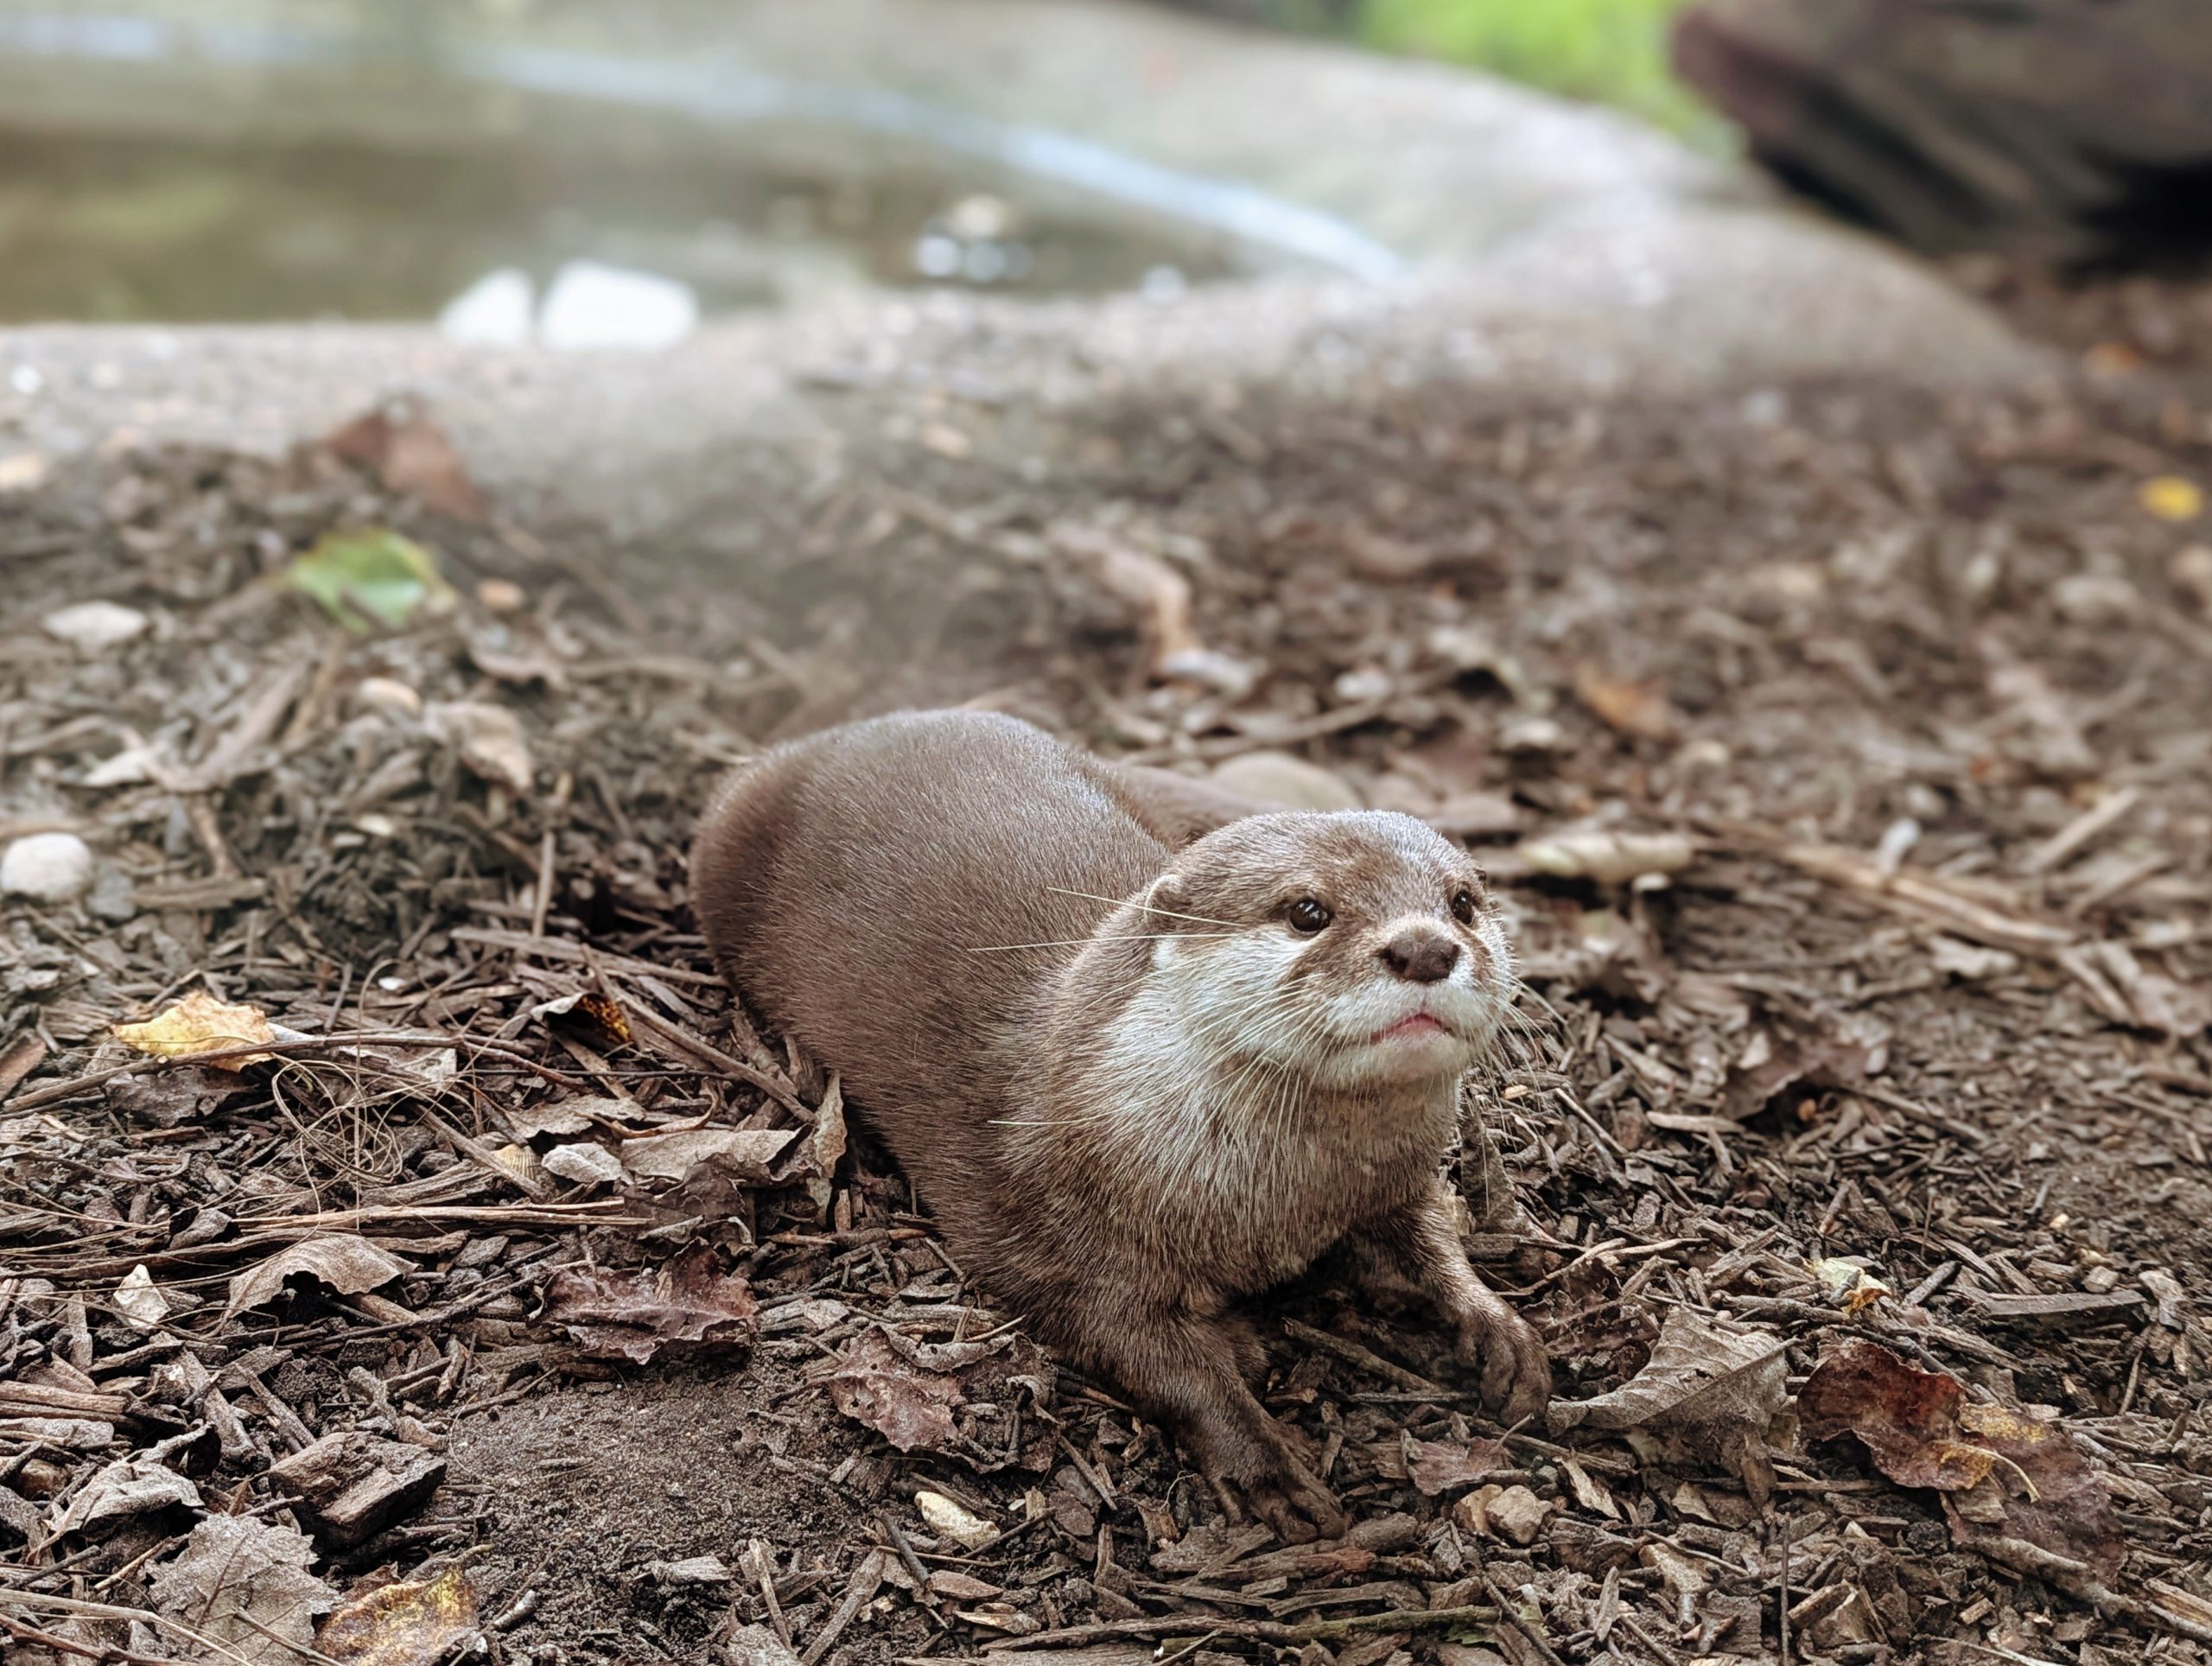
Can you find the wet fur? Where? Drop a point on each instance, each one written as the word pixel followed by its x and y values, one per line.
pixel 1150 1114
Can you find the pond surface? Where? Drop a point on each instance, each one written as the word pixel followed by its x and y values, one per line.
pixel 115 229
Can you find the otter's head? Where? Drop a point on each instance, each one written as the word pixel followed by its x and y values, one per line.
pixel 1354 950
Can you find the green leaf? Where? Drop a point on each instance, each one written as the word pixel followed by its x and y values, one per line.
pixel 370 576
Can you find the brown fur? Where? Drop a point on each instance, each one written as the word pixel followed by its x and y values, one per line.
pixel 1121 1134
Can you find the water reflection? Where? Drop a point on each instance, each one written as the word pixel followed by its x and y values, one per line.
pixel 587 305
pixel 511 244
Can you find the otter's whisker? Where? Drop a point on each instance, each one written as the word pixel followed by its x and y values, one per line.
pixel 1522 986
pixel 1092 896
pixel 1078 943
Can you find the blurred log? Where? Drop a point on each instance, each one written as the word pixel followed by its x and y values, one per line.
pixel 2079 131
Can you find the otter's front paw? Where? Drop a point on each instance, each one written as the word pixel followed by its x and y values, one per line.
pixel 1254 1469
pixel 1513 1371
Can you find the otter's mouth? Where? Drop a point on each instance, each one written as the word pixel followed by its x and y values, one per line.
pixel 1410 1028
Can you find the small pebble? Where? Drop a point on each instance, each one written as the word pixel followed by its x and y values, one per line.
pixel 47 868
pixel 1225 674
pixel 2097 598
pixel 501 595
pixel 93 625
pixel 2191 569
pixel 387 695
pixel 1367 683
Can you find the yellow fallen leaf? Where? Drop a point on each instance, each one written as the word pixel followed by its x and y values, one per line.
pixel 2170 498
pixel 1858 1287
pixel 407 1623
pixel 198 1025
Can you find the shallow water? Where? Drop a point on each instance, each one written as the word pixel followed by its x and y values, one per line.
pixel 117 229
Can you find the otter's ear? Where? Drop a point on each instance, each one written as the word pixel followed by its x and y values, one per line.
pixel 1165 901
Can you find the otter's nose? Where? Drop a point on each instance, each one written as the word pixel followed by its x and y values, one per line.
pixel 1421 956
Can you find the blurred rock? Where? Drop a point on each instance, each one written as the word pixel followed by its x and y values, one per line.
pixel 93 625
pixel 47 868
pixel 1276 777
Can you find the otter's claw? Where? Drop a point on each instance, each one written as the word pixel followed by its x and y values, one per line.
pixel 1298 1507
pixel 1513 1374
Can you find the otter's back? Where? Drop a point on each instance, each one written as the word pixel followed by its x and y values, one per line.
pixel 865 887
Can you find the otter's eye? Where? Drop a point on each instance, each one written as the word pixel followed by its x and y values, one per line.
pixel 1307 916
pixel 1462 907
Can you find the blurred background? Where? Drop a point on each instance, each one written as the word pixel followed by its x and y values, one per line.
pixel 225 161
pixel 521 167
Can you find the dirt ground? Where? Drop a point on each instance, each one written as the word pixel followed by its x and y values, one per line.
pixel 1840 754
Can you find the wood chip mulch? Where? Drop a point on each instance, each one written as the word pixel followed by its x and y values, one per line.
pixel 1842 756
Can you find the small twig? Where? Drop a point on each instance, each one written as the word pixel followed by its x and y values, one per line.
pixel 1083 1467
pixel 914 1563
pixel 1262 1631
pixel 536 1190
pixel 1533 1633
pixel 60 1605
pixel 867 1577
pixel 1783 1605
pixel 47 1092
pixel 756 1554
pixel 643 1018
pixel 542 904
pixel 1368 1360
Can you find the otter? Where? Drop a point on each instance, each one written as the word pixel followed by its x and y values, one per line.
pixel 1141 1054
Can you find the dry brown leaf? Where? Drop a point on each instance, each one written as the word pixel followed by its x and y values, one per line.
pixel 347 1264
pixel 828 1144
pixel 244 1583
pixel 139 1301
pixel 130 1486
pixel 1589 1491
pixel 745 1152
pixel 1640 711
pixel 499 653
pixel 910 1407
pixel 2003 1476
pixel 947 1582
pixel 406 1623
pixel 564 1116
pixel 586 1164
pixel 1777 1058
pixel 1708 1395
pixel 168 1098
pixel 2130 993
pixel 597 1011
pixel 1439 1466
pixel 489 739
pixel 412 456
pixel 682 1307
pixel 199 1025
